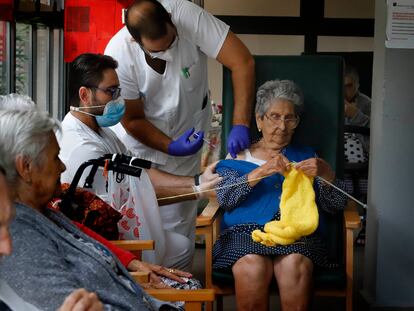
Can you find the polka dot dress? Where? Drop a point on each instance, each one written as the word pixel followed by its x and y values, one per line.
pixel 236 242
pixel 354 152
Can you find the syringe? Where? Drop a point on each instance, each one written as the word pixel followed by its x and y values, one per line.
pixel 195 135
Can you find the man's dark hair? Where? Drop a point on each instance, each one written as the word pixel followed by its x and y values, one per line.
pixel 147 18
pixel 87 70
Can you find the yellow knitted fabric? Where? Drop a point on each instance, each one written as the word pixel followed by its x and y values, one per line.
pixel 298 212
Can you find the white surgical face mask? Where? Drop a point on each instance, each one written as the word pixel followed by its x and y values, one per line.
pixel 167 55
pixel 113 112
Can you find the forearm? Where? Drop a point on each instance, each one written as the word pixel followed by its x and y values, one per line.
pixel 124 256
pixel 233 190
pixel 167 185
pixel 236 57
pixel 243 77
pixel 144 131
pixel 328 198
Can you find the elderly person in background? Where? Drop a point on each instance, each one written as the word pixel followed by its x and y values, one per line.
pixel 357 104
pixel 52 257
pixel 80 300
pixel 253 202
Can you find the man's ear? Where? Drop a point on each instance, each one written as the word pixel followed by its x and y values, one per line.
pixel 84 95
pixel 24 168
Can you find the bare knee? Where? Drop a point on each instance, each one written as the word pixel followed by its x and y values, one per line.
pixel 294 267
pixel 252 275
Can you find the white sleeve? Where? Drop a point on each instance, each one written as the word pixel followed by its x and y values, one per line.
pixel 121 50
pixel 205 30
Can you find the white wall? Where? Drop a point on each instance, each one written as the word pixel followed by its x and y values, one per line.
pixel 389 252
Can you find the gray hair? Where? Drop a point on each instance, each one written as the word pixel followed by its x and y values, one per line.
pixel 272 90
pixel 352 72
pixel 15 101
pixel 23 133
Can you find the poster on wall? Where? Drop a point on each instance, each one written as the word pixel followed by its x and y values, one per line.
pixel 400 24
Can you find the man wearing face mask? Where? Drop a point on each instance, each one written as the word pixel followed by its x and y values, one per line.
pixel 162 53
pixel 96 105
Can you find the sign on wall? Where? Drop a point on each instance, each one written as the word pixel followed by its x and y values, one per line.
pixel 400 24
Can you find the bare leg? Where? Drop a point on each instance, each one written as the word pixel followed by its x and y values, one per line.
pixel 252 275
pixel 294 278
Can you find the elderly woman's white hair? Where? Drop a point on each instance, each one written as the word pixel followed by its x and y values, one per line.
pixel 273 90
pixel 23 133
pixel 16 102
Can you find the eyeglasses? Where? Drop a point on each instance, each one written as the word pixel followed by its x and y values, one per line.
pixel 290 123
pixel 114 91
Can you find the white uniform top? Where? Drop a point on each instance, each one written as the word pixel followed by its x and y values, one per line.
pixel 79 143
pixel 173 101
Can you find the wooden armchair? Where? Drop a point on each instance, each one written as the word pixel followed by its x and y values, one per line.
pixel 334 283
pixel 193 298
pixel 321 126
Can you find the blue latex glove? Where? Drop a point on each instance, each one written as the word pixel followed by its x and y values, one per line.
pixel 182 146
pixel 239 139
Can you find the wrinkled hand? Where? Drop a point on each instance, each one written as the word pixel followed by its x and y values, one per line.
pixel 183 146
pixel 155 271
pixel 82 300
pixel 350 109
pixel 278 164
pixel 209 180
pixel 316 167
pixel 239 139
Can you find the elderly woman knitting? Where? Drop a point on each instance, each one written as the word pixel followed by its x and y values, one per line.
pixel 51 256
pixel 250 195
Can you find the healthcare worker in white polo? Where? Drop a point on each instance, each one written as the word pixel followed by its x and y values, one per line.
pixel 162 55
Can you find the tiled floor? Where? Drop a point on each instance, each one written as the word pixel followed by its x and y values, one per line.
pixel 320 303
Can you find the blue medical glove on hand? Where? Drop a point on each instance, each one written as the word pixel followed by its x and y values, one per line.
pixel 183 146
pixel 239 139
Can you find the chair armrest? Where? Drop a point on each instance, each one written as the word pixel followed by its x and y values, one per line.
pixel 186 295
pixel 352 219
pixel 209 213
pixel 134 245
pixel 140 277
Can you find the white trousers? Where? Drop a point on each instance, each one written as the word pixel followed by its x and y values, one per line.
pixel 180 218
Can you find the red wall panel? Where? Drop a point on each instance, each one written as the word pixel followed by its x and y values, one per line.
pixel 6 10
pixel 90 24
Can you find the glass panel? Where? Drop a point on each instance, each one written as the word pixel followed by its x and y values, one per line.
pixel 4 58
pixel 350 8
pixel 23 57
pixel 55 79
pixel 253 8
pixel 42 68
pixel 345 44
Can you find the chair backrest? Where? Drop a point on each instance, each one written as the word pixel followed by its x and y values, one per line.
pixel 321 126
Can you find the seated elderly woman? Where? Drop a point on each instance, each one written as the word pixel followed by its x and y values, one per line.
pixel 9 301
pixel 160 277
pixel 51 256
pixel 252 202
